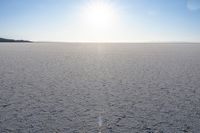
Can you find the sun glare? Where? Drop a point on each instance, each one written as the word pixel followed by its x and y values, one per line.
pixel 99 14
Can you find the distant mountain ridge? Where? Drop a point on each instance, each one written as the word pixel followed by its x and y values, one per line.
pixel 12 40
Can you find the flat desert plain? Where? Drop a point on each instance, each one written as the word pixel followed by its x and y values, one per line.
pixel 93 88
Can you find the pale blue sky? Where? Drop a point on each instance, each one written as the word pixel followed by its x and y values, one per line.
pixel 134 21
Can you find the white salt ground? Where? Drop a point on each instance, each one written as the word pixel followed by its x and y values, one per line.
pixel 107 88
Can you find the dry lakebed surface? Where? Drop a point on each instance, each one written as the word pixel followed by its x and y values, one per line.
pixel 99 88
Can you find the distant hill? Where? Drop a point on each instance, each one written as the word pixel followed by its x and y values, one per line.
pixel 12 40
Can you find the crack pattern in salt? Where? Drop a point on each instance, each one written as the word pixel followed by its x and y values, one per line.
pixel 107 88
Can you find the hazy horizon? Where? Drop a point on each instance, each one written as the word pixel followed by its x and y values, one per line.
pixel 101 20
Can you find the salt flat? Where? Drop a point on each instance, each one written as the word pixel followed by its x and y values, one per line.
pixel 87 88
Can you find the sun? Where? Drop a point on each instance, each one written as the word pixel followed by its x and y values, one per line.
pixel 99 14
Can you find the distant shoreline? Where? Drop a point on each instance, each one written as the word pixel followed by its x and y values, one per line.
pixel 12 40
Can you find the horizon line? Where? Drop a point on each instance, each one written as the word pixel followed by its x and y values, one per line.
pixel 106 41
pixel 114 42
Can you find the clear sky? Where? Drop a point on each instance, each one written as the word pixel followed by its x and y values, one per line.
pixel 101 20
